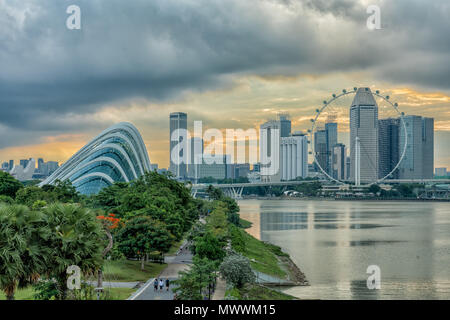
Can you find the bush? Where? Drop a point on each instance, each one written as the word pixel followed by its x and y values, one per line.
pixel 236 269
pixel 6 199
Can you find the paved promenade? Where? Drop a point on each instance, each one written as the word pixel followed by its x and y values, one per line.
pixel 175 264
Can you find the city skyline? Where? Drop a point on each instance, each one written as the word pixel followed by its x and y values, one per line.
pixel 53 101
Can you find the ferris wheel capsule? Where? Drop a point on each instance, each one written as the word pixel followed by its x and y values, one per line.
pixel 396 104
pixel 355 88
pixel 324 102
pixel 334 95
pixel 344 91
pixel 377 92
pixel 317 110
pixel 387 97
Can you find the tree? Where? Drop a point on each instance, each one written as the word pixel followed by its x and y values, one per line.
pixel 236 269
pixel 75 237
pixel 8 185
pixel 141 235
pixel 374 188
pixel 22 256
pixel 192 284
pixel 209 247
pixel 29 195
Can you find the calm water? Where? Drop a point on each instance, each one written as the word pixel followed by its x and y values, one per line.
pixel 333 243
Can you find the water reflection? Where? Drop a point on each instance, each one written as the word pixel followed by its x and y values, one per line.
pixel 334 242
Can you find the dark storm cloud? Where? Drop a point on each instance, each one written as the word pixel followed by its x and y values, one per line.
pixel 160 49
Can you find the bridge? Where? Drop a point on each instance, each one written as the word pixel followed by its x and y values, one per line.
pixel 234 190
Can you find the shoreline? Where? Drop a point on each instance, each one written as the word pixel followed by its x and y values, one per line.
pixel 344 199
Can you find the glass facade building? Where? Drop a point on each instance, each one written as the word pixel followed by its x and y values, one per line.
pixel 117 154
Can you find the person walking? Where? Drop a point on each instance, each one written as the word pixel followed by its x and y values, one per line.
pixel 155 284
pixel 161 284
pixel 167 284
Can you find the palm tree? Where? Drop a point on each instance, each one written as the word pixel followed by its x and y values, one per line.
pixel 75 238
pixel 22 257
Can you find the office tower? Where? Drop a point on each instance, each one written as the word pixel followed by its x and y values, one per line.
pixel 40 162
pixel 208 169
pixel 5 166
pixel 419 157
pixel 51 166
pixel 11 164
pixel 269 149
pixel 196 147
pixel 154 167
pixel 256 167
pixel 347 166
pixel 320 150
pixel 294 157
pixel 364 136
pixel 331 133
pixel 339 162
pixel 388 147
pixel 275 129
pixel 428 147
pixel 240 170
pixel 285 125
pixel 24 163
pixel 178 120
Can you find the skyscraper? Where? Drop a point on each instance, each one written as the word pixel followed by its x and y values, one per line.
pixel 269 147
pixel 294 156
pixel 196 146
pixel 418 162
pixel 321 150
pixel 388 147
pixel 339 165
pixel 331 133
pixel 178 120
pixel 364 126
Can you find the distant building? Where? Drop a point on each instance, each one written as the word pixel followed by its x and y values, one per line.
pixel 294 157
pixel 240 170
pixel 24 173
pixel 154 167
pixel 321 150
pixel 440 172
pixel 178 120
pixel 388 147
pixel 196 148
pixel 418 162
pixel 208 168
pixel 364 128
pixel 332 135
pixel 271 133
pixel 339 162
pixel 256 167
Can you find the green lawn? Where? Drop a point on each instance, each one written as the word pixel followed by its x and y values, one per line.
pixel 120 293
pixel 263 256
pixel 130 271
pixel 113 293
pixel 257 292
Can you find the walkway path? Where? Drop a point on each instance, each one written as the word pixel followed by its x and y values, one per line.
pixel 221 286
pixel 175 264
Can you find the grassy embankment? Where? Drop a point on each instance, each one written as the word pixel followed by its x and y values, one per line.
pixel 264 257
pixel 113 293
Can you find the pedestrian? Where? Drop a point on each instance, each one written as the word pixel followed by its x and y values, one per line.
pixel 167 284
pixel 155 284
pixel 161 284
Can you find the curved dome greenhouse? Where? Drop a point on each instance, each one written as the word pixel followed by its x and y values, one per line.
pixel 117 154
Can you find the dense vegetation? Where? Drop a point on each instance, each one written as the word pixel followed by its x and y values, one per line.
pixel 44 230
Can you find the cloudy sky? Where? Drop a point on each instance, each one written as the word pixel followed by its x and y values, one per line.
pixel 230 63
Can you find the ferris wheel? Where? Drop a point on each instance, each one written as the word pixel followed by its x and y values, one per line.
pixel 325 108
